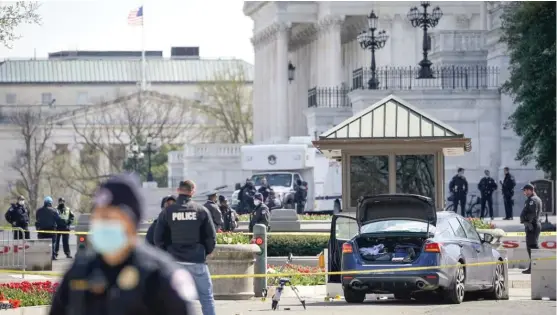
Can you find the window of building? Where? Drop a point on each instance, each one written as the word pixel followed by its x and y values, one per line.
pixel 82 98
pixel 11 98
pixel 369 175
pixel 414 175
pixel 46 99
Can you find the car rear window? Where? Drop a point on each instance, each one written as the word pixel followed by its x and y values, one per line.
pixel 396 226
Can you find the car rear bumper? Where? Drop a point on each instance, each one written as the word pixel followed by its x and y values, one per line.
pixel 389 283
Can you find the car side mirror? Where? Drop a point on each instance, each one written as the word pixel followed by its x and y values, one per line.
pixel 487 238
pixel 289 259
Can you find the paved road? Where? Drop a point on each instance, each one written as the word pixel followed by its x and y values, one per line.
pixel 518 305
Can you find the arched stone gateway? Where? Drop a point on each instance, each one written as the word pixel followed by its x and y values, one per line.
pixel 392 147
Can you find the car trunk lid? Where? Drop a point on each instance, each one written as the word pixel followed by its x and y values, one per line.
pixel 396 206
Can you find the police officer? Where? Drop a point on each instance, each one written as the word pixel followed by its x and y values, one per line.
pixel 229 216
pixel 459 187
pixel 264 189
pixel 63 225
pixel 507 187
pixel 18 217
pixel 261 214
pixel 166 202
pixel 214 210
pixel 192 238
pixel 121 275
pixel 47 219
pixel 300 196
pixel 246 197
pixel 486 187
pixel 530 217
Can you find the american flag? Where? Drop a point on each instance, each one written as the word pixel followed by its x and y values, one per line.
pixel 136 16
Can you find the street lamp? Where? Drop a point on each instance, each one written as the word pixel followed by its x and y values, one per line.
pixel 135 155
pixel 150 148
pixel 425 20
pixel 372 41
pixel 291 70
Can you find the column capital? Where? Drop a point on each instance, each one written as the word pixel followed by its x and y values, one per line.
pixel 270 33
pixel 330 22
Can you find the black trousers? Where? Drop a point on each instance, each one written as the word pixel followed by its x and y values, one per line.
pixel 489 200
pixel 508 201
pixel 65 243
pixel 51 236
pixel 532 240
pixel 460 200
pixel 19 234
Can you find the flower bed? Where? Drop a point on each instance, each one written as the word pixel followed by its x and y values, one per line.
pixel 299 278
pixel 481 224
pixel 303 217
pixel 27 293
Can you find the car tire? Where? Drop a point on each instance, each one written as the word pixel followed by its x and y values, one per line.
pixel 497 292
pixel 455 293
pixel 353 296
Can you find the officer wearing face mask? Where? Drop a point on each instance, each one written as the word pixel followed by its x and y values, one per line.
pixel 18 217
pixel 260 214
pixel 120 275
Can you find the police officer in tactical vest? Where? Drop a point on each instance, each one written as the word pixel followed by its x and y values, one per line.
pixel 213 208
pixel 530 217
pixel 192 238
pixel 487 186
pixel 63 225
pixel 120 275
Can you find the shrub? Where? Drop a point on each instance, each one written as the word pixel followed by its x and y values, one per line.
pixel 281 245
pixel 480 224
pixel 302 276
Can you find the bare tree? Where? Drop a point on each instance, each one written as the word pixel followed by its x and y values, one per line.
pixel 227 104
pixel 105 132
pixel 34 130
pixel 12 15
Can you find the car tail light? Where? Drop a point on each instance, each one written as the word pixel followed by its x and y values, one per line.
pixel 432 248
pixel 346 249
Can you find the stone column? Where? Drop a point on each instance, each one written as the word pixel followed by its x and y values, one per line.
pixel 281 83
pixel 335 50
pixel 257 87
pixel 483 15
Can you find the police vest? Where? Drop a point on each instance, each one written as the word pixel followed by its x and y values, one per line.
pixel 65 215
pixel 124 297
pixel 183 222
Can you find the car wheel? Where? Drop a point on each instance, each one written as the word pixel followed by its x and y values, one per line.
pixel 352 296
pixel 497 292
pixel 336 207
pixel 455 293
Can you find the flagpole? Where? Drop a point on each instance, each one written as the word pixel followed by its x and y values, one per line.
pixel 143 61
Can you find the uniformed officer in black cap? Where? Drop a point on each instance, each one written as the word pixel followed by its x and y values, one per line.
pixel 120 275
pixel 192 238
pixel 260 213
pixel 530 217
pixel 213 208
pixel 165 202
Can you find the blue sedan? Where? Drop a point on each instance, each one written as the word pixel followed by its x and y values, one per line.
pixel 405 231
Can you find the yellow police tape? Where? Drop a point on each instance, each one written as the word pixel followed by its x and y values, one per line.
pixel 313 274
pixel 509 234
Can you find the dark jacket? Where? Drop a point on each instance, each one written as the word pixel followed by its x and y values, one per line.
pixel 191 230
pixel 264 190
pixel 487 186
pixel 18 216
pixel 150 236
pixel 47 218
pixel 508 185
pixel 66 218
pixel 532 210
pixel 162 287
pixel 216 215
pixel 230 218
pixel 273 203
pixel 301 193
pixel 459 186
pixel 261 215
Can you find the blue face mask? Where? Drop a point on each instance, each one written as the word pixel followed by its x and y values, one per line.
pixel 108 236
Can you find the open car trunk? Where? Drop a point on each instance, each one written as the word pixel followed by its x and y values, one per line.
pixel 390 249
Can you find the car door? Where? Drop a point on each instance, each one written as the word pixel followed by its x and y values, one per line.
pixel 468 251
pixel 485 271
pixel 343 229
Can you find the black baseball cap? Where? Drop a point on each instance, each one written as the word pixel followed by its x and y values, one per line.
pixel 528 187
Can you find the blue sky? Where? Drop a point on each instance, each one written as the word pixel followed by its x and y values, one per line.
pixel 219 28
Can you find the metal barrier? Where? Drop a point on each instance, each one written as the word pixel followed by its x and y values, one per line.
pixel 13 248
pixel 543 275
